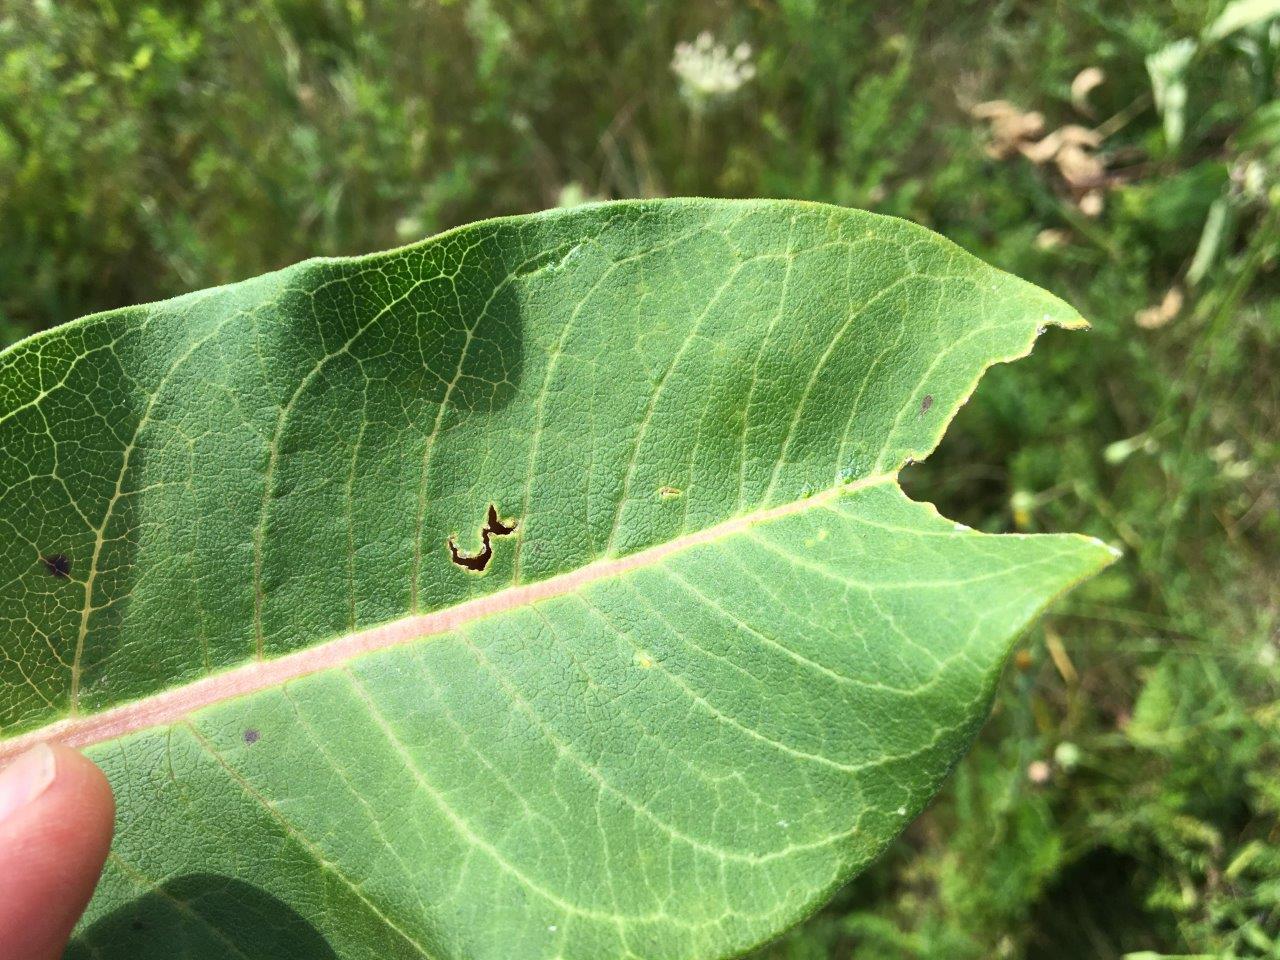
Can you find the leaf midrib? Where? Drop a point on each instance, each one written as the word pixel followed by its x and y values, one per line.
pixel 172 705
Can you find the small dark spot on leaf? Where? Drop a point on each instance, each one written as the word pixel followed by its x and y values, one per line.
pixel 58 565
pixel 252 736
pixel 493 527
pixel 138 925
pixel 926 403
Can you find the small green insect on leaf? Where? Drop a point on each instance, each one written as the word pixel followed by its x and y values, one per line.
pixel 540 590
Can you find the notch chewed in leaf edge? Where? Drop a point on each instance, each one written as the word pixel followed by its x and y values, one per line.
pixel 730 386
pixel 493 527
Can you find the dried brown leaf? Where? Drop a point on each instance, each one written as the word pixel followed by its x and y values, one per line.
pixel 1152 318
pixel 1086 81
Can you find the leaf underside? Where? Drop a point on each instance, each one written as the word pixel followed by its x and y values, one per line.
pixel 749 662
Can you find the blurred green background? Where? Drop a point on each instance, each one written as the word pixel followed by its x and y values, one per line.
pixel 1125 798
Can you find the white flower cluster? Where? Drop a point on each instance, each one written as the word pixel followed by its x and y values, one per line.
pixel 708 71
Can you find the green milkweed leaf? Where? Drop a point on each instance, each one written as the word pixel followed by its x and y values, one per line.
pixel 540 590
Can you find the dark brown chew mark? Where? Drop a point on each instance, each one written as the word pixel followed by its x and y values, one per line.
pixel 926 403
pixel 478 561
pixel 58 565
pixel 494 527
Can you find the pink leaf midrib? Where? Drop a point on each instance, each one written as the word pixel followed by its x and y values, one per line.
pixel 170 706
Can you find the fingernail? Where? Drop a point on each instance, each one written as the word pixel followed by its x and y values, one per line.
pixel 25 779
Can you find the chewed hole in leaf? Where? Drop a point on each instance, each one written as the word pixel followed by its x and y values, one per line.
pixel 494 527
pixel 495 524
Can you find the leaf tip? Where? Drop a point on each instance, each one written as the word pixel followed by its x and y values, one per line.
pixel 1092 556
